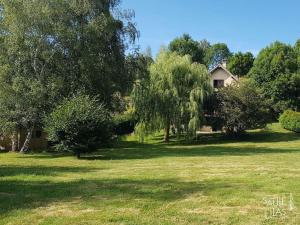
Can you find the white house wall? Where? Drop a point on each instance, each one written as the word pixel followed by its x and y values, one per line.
pixel 220 74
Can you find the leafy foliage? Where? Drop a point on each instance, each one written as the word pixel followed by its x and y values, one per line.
pixel 240 64
pixel 274 71
pixel 173 95
pixel 79 124
pixel 287 92
pixel 242 107
pixel 53 49
pixel 185 45
pixel 297 50
pixel 290 120
pixel 216 54
pixel 138 68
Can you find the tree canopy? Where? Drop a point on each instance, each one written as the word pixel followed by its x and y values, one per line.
pixel 173 94
pixel 185 45
pixel 242 106
pixel 216 54
pixel 53 49
pixel 274 71
pixel 241 63
pixel 297 50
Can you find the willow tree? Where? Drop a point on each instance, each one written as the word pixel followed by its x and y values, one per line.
pixel 172 95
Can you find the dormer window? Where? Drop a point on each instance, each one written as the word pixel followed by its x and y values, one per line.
pixel 218 83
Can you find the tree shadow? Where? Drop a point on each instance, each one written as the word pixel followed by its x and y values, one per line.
pixel 262 136
pixel 3 151
pixel 15 194
pixel 254 137
pixel 15 170
pixel 156 151
pixel 47 155
pixel 205 145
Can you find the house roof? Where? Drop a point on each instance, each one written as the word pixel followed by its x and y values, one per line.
pixel 220 66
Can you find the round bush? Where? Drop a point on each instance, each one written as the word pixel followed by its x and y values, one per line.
pixel 290 120
pixel 80 124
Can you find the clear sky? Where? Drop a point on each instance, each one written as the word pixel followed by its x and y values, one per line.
pixel 245 25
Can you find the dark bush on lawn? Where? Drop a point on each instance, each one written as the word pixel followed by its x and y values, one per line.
pixel 242 106
pixel 290 120
pixel 123 124
pixel 79 124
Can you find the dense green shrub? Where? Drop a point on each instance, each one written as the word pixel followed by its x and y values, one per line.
pixel 290 120
pixel 216 122
pixel 242 107
pixel 275 71
pixel 79 124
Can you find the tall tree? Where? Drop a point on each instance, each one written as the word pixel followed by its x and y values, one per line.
pixel 216 54
pixel 241 63
pixel 205 46
pixel 94 36
pixel 273 69
pixel 28 50
pixel 51 49
pixel 173 94
pixel 297 50
pixel 9 116
pixel 185 45
pixel 242 107
pixel 138 68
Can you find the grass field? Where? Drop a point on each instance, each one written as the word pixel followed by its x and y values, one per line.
pixel 214 181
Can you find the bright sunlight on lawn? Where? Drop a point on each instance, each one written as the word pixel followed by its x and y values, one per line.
pixel 217 181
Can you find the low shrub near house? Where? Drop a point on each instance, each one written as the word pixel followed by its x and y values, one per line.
pixel 241 107
pixel 290 120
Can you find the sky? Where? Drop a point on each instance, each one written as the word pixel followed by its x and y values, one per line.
pixel 244 25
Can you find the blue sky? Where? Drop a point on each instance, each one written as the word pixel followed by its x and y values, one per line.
pixel 245 25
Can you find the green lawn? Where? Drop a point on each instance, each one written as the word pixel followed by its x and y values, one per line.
pixel 214 181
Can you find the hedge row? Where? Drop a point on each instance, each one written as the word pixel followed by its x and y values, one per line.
pixel 290 120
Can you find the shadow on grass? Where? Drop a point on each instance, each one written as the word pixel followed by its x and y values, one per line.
pixel 16 194
pixel 221 138
pixel 159 152
pixel 10 171
pixel 47 155
pixel 252 137
pixel 206 145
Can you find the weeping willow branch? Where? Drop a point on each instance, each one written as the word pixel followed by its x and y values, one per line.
pixel 173 95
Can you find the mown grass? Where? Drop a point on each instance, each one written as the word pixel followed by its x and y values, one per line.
pixel 217 180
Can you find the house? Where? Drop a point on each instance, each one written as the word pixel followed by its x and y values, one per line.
pixel 220 77
pixel 38 141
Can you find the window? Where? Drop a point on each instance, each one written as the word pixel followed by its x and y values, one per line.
pixel 218 83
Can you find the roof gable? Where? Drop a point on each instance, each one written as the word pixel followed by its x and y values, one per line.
pixel 224 69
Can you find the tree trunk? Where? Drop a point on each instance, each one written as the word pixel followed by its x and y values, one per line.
pixel 19 139
pixel 166 134
pixel 77 153
pixel 14 142
pixel 25 146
